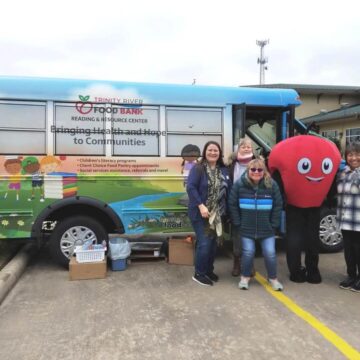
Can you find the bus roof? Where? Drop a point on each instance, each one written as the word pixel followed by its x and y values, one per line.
pixel 105 91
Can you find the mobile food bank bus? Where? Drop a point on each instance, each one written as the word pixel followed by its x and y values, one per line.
pixel 81 159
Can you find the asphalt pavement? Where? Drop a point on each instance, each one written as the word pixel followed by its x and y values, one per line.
pixel 154 310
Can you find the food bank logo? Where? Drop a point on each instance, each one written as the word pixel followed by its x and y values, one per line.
pixel 84 106
pixel 128 106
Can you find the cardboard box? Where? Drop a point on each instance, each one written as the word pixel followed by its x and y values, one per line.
pixel 181 252
pixel 84 271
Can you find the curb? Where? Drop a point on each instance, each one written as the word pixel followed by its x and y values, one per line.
pixel 12 272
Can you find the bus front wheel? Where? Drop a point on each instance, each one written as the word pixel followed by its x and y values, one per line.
pixel 71 232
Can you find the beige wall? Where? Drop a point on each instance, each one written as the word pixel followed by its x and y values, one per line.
pixel 312 105
pixel 340 125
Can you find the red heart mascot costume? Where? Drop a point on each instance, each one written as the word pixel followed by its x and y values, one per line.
pixel 307 166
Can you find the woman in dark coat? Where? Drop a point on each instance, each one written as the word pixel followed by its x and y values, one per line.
pixel 207 187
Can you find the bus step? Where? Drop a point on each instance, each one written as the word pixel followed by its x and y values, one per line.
pixel 146 255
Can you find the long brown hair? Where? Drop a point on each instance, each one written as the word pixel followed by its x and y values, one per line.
pixel 220 160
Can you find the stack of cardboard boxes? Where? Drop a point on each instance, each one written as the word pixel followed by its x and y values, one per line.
pixel 181 252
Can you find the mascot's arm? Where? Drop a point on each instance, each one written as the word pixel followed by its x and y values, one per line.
pixel 277 206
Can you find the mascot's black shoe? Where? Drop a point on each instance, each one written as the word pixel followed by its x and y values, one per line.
pixel 299 276
pixel 313 276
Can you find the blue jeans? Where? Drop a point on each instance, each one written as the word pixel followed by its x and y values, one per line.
pixel 205 249
pixel 248 253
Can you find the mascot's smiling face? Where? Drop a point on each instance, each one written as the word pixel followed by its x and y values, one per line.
pixel 307 165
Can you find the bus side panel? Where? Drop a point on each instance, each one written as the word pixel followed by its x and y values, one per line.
pixel 148 194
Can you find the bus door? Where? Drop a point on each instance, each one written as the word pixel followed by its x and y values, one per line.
pixel 265 125
pixel 238 124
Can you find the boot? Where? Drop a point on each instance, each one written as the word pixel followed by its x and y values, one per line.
pixel 236 267
pixel 313 276
pixel 298 276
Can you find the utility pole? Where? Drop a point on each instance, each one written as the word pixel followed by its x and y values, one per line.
pixel 262 60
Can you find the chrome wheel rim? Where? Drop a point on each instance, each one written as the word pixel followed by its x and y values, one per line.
pixel 329 234
pixel 75 236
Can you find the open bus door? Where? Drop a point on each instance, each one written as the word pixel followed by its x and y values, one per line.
pixel 265 125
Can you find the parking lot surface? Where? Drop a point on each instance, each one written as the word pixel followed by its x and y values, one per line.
pixel 154 310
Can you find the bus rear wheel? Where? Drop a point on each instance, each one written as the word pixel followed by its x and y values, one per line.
pixel 71 232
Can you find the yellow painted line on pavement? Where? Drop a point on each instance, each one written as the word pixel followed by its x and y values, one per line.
pixel 328 334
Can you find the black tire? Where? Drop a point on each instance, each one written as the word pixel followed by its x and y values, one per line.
pixel 330 238
pixel 71 232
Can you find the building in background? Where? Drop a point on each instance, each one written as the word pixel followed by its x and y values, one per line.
pixel 334 109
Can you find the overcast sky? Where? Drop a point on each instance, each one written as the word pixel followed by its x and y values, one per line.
pixel 214 42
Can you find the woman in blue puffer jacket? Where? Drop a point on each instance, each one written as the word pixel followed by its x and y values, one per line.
pixel 255 205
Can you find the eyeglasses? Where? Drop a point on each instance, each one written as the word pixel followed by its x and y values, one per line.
pixel 259 170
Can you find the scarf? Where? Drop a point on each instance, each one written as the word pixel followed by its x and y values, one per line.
pixel 216 201
pixel 244 160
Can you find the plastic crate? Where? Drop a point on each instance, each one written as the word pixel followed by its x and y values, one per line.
pixel 93 255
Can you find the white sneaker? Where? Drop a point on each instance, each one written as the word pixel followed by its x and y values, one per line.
pixel 276 285
pixel 244 283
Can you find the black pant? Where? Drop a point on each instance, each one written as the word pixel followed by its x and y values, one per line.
pixel 352 252
pixel 302 233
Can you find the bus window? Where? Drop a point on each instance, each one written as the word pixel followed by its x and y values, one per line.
pixel 78 133
pixel 194 126
pixel 17 121
pixel 175 143
pixel 136 134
